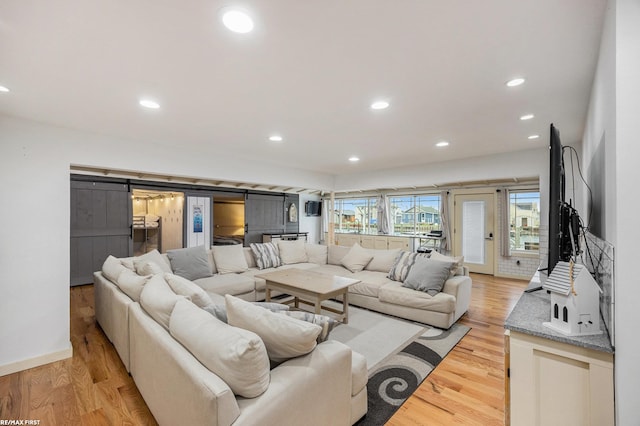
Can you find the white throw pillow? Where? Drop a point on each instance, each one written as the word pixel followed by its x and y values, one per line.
pixel 184 287
pixel 284 337
pixel 316 253
pixel 132 284
pixel 458 262
pixel 383 260
pixel 336 253
pixel 158 300
pixel 238 356
pixel 229 259
pixel 153 256
pixel 292 252
pixel 112 268
pixel 357 258
pixel 148 268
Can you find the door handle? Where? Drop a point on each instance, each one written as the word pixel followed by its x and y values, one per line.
pixel 490 237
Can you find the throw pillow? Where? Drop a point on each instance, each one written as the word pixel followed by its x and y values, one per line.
pixel 316 253
pixel 428 275
pixel 148 268
pixel 220 310
pixel 458 262
pixel 190 263
pixel 132 284
pixel 158 300
pixel 357 258
pixel 266 255
pixel 184 287
pixel 403 263
pixel 153 256
pixel 229 259
pixel 327 323
pixel 284 337
pixel 238 356
pixel 292 252
pixel 383 260
pixel 335 254
pixel 112 268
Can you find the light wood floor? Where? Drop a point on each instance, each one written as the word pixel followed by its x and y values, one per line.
pixel 93 387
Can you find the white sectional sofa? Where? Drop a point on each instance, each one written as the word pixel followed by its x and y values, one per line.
pixel 331 389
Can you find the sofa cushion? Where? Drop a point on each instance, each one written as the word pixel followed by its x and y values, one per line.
pixel 356 259
pixel 327 323
pixel 190 263
pixel 184 287
pixel 370 283
pixel 266 255
pixel 292 252
pixel 403 263
pixel 336 253
pixel 219 310
pixel 396 294
pixel 316 253
pixel 428 275
pixel 359 375
pixel 158 300
pixel 234 284
pixel 383 260
pixel 112 268
pixel 132 284
pixel 153 256
pixel 237 356
pixel 229 259
pixel 284 337
pixel 249 257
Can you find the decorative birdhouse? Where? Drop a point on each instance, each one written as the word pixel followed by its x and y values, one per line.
pixel 575 296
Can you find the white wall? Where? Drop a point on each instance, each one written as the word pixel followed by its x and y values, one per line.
pixel 310 224
pixel 612 132
pixel 34 251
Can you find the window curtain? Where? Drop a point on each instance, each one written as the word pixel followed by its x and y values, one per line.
pixel 505 223
pixel 385 224
pixel 445 243
pixel 326 217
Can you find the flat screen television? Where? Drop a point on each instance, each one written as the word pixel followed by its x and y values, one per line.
pixel 313 208
pixel 564 222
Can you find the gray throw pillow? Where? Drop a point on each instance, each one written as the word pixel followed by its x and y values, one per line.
pixel 190 263
pixel 428 275
pixel 403 263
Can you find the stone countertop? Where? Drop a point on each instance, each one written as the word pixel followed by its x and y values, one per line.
pixel 534 308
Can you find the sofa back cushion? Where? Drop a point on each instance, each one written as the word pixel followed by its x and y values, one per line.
pixel 283 336
pixel 336 253
pixel 153 256
pixel 237 356
pixel 383 260
pixel 189 289
pixel 249 257
pixel 316 253
pixel 458 262
pixel 190 262
pixel 158 300
pixel 132 284
pixel 112 268
pixel 292 252
pixel 229 259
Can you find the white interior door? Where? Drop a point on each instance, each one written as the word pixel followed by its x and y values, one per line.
pixel 474 231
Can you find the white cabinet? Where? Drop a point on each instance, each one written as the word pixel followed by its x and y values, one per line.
pixel 374 241
pixel 403 243
pixel 347 240
pixel 554 383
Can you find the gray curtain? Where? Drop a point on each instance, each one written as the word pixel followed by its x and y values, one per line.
pixel 445 243
pixel 326 216
pixel 505 223
pixel 385 225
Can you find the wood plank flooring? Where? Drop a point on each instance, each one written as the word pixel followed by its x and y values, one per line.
pixel 93 387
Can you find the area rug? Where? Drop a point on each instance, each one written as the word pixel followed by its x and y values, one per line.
pixel 400 355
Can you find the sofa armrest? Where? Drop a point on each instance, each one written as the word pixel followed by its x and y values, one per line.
pixel 460 288
pixel 314 389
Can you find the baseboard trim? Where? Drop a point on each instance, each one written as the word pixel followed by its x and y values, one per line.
pixel 36 361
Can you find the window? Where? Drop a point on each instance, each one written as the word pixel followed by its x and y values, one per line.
pixel 415 214
pixel 524 220
pixel 356 215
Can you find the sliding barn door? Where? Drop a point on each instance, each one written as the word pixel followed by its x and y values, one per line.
pixel 100 226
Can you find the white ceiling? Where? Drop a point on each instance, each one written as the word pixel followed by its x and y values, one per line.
pixel 308 71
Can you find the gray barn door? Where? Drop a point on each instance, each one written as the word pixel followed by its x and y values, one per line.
pixel 100 225
pixel 263 213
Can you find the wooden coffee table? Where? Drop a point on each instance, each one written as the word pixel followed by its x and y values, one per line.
pixel 310 287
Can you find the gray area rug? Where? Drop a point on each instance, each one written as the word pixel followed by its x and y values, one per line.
pixel 400 355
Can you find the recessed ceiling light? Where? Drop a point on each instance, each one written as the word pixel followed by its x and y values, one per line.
pixel 354 159
pixel 3 89
pixel 527 117
pixel 275 138
pixel 533 137
pixel 147 103
pixel 515 82
pixel 237 21
pixel 442 144
pixel 380 105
